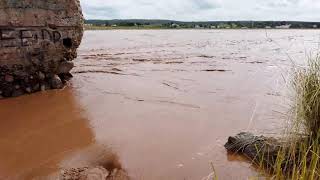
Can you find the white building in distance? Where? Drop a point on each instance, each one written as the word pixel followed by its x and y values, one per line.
pixel 287 26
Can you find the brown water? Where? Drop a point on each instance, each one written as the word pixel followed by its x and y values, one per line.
pixel 161 104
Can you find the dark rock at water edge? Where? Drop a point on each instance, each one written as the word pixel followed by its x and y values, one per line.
pixel 65 77
pixel 33 83
pixel 65 67
pixel 56 82
pixel 256 148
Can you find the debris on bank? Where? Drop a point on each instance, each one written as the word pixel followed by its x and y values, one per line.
pixel 92 173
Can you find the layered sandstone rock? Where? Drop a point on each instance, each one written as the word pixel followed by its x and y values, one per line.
pixel 38 41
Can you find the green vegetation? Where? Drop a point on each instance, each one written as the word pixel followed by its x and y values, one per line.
pixel 299 157
pixel 168 24
pixel 307 86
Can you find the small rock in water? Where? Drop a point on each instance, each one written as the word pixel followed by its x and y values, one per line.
pixel 56 82
pixel 9 78
pixel 65 67
pixel 65 77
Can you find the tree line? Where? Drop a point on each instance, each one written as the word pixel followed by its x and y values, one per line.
pixel 203 24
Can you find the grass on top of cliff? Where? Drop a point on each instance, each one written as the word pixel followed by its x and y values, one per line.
pixel 299 158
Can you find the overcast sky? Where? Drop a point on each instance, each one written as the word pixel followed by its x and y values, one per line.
pixel 203 10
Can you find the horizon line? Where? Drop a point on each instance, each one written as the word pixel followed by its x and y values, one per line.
pixel 204 20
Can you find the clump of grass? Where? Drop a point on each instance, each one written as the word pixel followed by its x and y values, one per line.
pixel 299 157
pixel 306 83
pixel 298 161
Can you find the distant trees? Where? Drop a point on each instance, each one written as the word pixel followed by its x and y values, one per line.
pixel 206 25
pixel 125 24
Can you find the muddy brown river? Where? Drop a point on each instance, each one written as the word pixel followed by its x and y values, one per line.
pixel 158 103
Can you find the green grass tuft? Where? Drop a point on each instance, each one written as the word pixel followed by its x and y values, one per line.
pixel 299 157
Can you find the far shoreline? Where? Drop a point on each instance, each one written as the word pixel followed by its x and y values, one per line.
pixel 98 28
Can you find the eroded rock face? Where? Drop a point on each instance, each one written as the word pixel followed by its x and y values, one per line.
pixel 38 41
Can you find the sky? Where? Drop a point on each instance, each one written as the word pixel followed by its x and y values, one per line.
pixel 203 10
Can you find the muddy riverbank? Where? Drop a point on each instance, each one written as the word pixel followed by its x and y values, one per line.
pixel 160 103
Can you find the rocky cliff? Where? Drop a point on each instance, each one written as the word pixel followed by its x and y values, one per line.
pixel 38 41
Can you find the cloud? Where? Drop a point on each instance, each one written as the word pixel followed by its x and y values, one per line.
pixel 203 10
